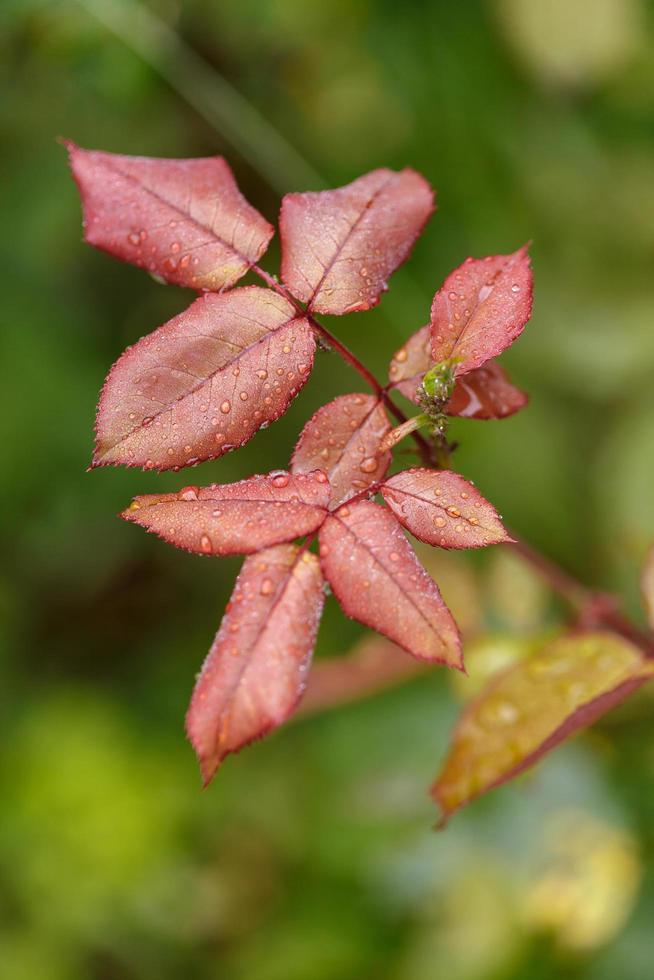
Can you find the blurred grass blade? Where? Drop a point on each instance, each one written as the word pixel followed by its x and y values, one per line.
pixel 212 96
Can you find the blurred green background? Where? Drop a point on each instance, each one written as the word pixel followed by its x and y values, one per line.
pixel 312 857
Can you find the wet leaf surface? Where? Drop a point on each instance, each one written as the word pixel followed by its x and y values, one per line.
pixel 205 382
pixel 340 246
pixel 378 580
pixel 442 508
pixel 183 220
pixel 343 439
pixel 481 309
pixel 236 518
pixel 256 670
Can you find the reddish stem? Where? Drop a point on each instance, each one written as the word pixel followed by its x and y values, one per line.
pixel 350 358
pixel 592 608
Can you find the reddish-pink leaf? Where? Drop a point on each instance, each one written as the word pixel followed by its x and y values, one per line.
pixel 481 309
pixel 343 439
pixel 441 508
pixel 647 586
pixel 378 580
pixel 410 363
pixel 204 382
pixel 255 673
pixel 485 393
pixel 532 707
pixel 236 518
pixel 183 220
pixel 339 247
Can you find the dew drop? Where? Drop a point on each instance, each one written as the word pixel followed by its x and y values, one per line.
pixel 267 587
pixel 500 712
pixel 225 408
pixel 280 481
pixel 133 238
pixel 205 544
pixel 369 465
pixel 188 493
pixel 401 356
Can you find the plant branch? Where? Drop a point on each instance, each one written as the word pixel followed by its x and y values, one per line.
pixel 592 608
pixel 424 447
pixel 577 595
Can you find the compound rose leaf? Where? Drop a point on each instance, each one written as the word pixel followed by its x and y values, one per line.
pixel 485 393
pixel 339 247
pixel 441 508
pixel 254 675
pixel 205 382
pixel 532 707
pixel 378 580
pixel 481 309
pixel 343 439
pixel 236 518
pixel 647 586
pixel 183 220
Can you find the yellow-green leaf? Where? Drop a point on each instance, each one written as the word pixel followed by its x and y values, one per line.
pixel 532 707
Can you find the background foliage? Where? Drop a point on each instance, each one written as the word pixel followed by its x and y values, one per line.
pixel 312 854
